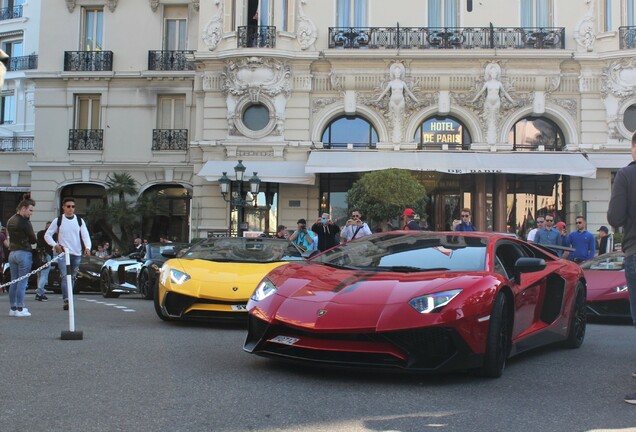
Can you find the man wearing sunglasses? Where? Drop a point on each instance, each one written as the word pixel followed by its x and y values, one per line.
pixel 355 228
pixel 582 241
pixel 549 235
pixel 73 235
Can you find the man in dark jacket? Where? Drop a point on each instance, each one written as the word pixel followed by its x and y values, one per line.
pixel 21 237
pixel 622 213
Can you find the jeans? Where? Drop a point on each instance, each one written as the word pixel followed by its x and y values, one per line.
pixel 630 276
pixel 20 263
pixel 43 276
pixel 75 262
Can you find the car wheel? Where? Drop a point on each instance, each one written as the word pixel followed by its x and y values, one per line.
pixel 498 341
pixel 144 285
pixel 578 320
pixel 157 302
pixel 105 285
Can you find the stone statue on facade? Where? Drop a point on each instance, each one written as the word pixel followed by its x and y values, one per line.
pixel 494 91
pixel 213 31
pixel 397 102
pixel 306 30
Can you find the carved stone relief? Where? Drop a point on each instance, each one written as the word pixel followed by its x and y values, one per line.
pixel 584 35
pixel 256 80
pixel 320 103
pixel 70 5
pixel 213 31
pixel 306 30
pixel 154 4
pixel 619 79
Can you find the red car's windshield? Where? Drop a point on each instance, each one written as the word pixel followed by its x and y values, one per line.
pixel 409 251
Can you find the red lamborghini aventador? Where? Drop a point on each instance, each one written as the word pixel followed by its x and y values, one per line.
pixel 421 301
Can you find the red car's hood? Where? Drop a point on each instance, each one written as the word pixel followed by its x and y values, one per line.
pixel 323 297
pixel 602 280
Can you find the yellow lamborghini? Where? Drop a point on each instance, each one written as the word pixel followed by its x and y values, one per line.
pixel 215 278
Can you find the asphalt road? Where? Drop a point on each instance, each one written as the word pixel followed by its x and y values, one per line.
pixel 134 372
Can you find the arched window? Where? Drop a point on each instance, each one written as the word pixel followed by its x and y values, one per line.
pixel 442 133
pixel 536 133
pixel 173 216
pixel 354 130
pixel 629 118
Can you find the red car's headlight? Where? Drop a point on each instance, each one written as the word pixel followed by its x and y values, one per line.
pixel 433 302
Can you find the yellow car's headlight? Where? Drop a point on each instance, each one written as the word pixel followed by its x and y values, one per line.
pixel 264 289
pixel 178 277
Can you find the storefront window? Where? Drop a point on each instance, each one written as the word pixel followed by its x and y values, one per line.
pixel 174 222
pixel 352 131
pixel 437 133
pixel 536 133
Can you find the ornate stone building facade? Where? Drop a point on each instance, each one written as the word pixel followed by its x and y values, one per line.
pixel 514 109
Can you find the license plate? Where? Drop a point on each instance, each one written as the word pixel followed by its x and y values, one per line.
pixel 239 307
pixel 285 340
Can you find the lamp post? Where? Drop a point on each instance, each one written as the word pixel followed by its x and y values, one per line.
pixel 237 200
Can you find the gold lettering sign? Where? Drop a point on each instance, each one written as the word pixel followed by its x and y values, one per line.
pixel 442 132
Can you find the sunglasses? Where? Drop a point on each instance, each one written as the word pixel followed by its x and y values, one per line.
pixel 579 222
pixel 355 216
pixel 69 206
pixel 465 215
pixel 540 221
pixel 549 220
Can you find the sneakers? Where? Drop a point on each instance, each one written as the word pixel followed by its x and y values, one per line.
pixel 631 398
pixel 65 307
pixel 25 313
pixel 41 298
pixel 12 312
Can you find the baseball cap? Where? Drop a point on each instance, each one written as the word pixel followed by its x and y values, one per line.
pixel 560 225
pixel 408 212
pixel 604 228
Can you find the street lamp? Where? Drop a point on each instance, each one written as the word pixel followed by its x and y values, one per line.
pixel 239 172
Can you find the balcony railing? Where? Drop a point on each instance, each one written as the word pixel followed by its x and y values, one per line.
pixel 169 61
pixel 10 13
pixel 16 144
pixel 447 37
pixel 77 61
pixel 627 37
pixel 29 62
pixel 86 139
pixel 349 146
pixel 169 139
pixel 256 37
pixel 550 146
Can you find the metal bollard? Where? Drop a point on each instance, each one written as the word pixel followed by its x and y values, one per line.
pixel 71 333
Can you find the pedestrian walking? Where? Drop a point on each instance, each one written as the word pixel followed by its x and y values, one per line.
pixel 622 213
pixel 46 253
pixel 21 237
pixel 72 234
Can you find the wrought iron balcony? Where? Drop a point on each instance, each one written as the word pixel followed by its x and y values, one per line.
pixel 29 62
pixel 78 61
pixel 86 139
pixel 11 13
pixel 256 37
pixel 169 61
pixel 447 37
pixel 16 144
pixel 627 37
pixel 169 139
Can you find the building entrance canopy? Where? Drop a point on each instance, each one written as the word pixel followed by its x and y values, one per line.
pixel 268 171
pixel 571 164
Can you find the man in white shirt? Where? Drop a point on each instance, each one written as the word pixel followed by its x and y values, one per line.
pixel 533 232
pixel 355 228
pixel 71 233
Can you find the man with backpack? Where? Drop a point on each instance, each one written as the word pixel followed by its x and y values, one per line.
pixel 73 235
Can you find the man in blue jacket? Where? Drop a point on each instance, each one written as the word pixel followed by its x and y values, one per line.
pixel 582 241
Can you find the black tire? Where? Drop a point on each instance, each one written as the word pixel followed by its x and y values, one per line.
pixel 105 286
pixel 157 303
pixel 498 342
pixel 145 287
pixel 578 319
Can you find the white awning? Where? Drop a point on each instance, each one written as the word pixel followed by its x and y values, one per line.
pixel 572 164
pixel 268 171
pixel 610 160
